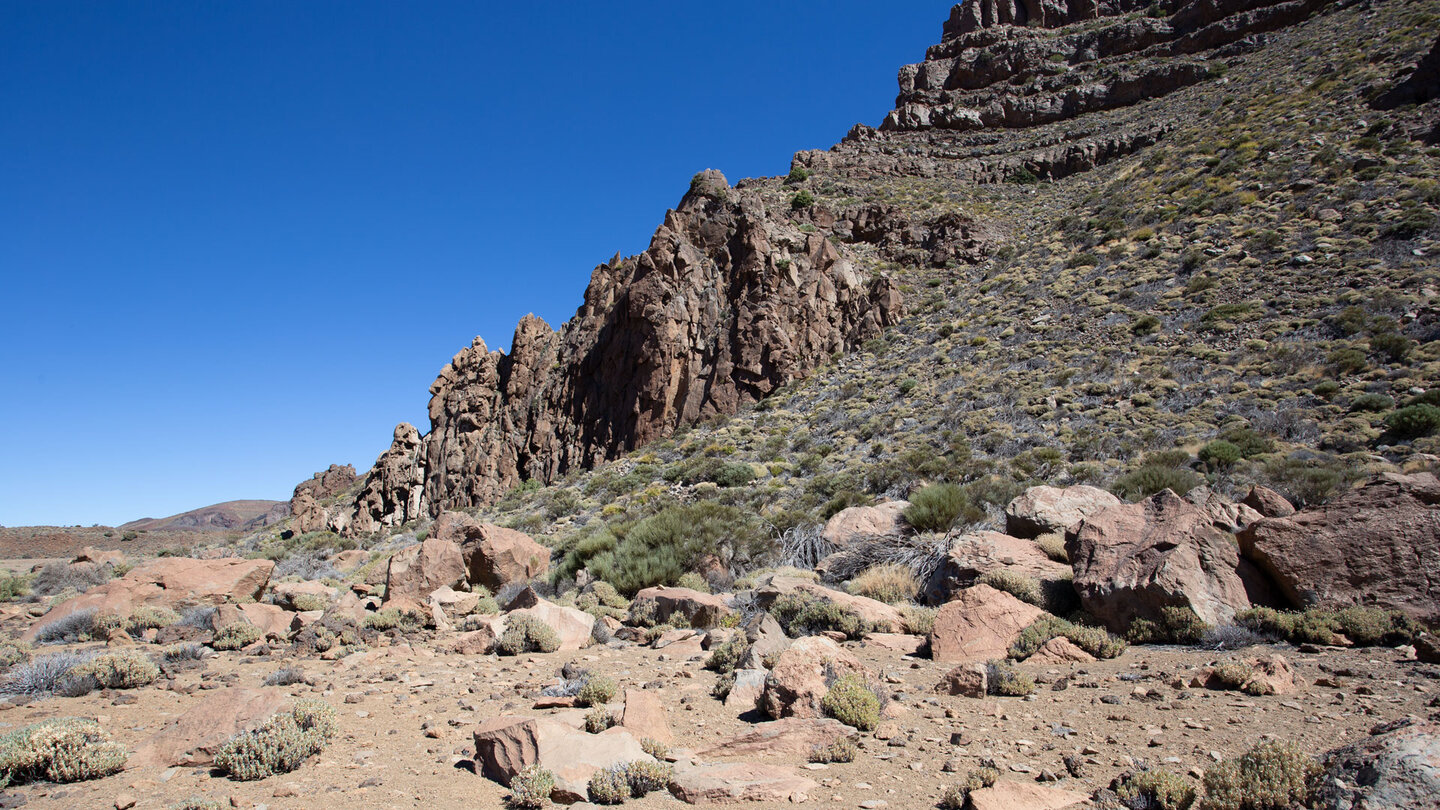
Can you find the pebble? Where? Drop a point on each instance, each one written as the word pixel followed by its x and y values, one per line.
pixel 124 801
pixel 874 804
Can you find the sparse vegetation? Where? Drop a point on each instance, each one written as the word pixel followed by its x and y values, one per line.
pixel 852 702
pixel 67 749
pixel 801 614
pixel 1270 776
pixel 1093 640
pixel 525 633
pixel 280 744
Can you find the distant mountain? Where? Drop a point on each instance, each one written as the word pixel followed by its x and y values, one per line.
pixel 227 516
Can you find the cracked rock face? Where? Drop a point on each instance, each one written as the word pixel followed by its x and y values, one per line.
pixel 729 303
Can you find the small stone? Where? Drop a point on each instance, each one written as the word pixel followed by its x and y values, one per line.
pixel 124 801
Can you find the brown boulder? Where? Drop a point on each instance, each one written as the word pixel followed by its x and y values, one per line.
pixel 973 555
pixel 739 782
pixel 194 737
pixel 1059 651
pixel 797 682
pixel 702 610
pixel 859 523
pixel 791 737
pixel 878 616
pixel 475 642
pixel 644 716
pixel 1133 560
pixel 1377 545
pixel 1007 795
pixel 494 556
pixel 979 624
pixel 968 680
pixel 416 571
pixel 1053 510
pixel 1268 502
pixel 506 745
pixel 173 582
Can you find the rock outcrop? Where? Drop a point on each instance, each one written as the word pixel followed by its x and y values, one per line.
pixel 1052 510
pixel 494 556
pixel 1133 560
pixel 979 624
pixel 1398 767
pixel 307 503
pixel 1377 545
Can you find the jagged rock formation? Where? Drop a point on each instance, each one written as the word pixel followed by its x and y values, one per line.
pixel 306 508
pixel 728 304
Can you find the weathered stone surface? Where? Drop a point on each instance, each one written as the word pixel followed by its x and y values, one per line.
pixel 1008 795
pixel 194 737
pixel 702 610
pixel 286 593
pixel 792 737
pixel 966 680
pixel 173 582
pixel 1052 510
pixel 1059 651
pixel 859 523
pixel 739 782
pixel 1397 769
pixel 979 624
pixel 973 555
pixel 797 682
pixel 749 685
pixel 1270 675
pixel 1427 649
pixel 1268 502
pixel 881 617
pixel 417 571
pixel 1133 560
pixel 897 642
pixel 307 508
pixel 475 642
pixel 725 306
pixel 494 556
pixel 1224 514
pixel 506 745
pixel 644 716
pixel 1376 545
pixel 574 627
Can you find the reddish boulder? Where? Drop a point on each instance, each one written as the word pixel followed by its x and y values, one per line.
pixel 1377 545
pixel 879 616
pixel 1008 795
pixel 702 610
pixel 417 571
pixel 968 680
pixel 644 716
pixel 860 523
pixel 1268 502
pixel 1053 510
pixel 494 556
pixel 740 782
pixel 973 555
pixel 1133 560
pixel 979 624
pixel 194 737
pixel 797 683
pixel 1059 651
pixel 791 737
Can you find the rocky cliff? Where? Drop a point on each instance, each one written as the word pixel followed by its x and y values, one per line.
pixel 731 301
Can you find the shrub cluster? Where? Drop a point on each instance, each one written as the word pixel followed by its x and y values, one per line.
pixel 1093 640
pixel 660 549
pixel 117 670
pixel 1005 680
pixel 727 656
pixel 280 744
pixel 840 749
pixel 852 702
pixel 394 618
pixel 1270 775
pixel 1026 589
pixel 802 614
pixel 236 636
pixel 937 507
pixel 530 788
pixel 598 719
pixel 890 582
pixel 525 633
pixel 1364 626
pixel 615 784
pixel 957 797
pixel 67 749
pixel 1155 789
pixel 597 690
pixel 1176 625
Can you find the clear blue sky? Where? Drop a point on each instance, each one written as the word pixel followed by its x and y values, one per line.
pixel 238 240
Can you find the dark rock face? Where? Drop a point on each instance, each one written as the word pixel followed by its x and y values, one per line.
pixel 1377 545
pixel 728 304
pixel 1398 767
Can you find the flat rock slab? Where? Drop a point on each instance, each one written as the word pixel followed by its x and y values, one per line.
pixel 195 736
pixel 1022 796
pixel 793 736
pixel 740 782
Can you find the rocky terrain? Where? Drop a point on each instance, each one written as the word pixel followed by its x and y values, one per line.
pixel 1066 440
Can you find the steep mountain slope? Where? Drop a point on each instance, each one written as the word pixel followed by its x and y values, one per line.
pixel 1118 233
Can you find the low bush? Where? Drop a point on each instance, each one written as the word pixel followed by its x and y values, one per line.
pixel 726 657
pixel 1270 775
pixel 598 690
pixel 280 744
pixel 525 633
pixel 1364 626
pixel 919 620
pixel 67 749
pixel 661 548
pixel 852 702
pixel 1176 625
pixel 840 749
pixel 1094 640
pixel 42 675
pixel 285 676
pixel 937 507
pixel 801 614
pixel 394 618
pixel 1026 589
pixel 236 636
pixel 1220 454
pixel 1414 421
pixel 60 577
pixel 1054 547
pixel 647 777
pixel 195 803
pixel 1156 789
pixel 654 748
pixel 12 653
pixel 118 670
pixel 530 788
pixel 609 785
pixel 1004 679
pixel 1149 479
pixel 184 651
pixel 891 583
pixel 598 719
pixel 802 199
pixel 957 797
pixel 14 586
pixel 78 626
pixel 147 617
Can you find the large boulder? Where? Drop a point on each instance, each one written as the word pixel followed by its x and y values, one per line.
pixel 1053 510
pixel 506 745
pixel 173 582
pixel 1397 768
pixel 702 610
pixel 644 716
pixel 728 782
pixel 1008 795
pixel 860 523
pixel 979 624
pixel 193 738
pixel 574 627
pixel 1268 502
pixel 1133 560
pixel 1377 545
pixel 971 556
pixel 880 617
pixel 1225 514
pixel 792 737
pixel 494 556
pixel 417 571
pixel 797 682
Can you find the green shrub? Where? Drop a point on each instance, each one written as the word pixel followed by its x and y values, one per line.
pixel 1371 403
pixel 797 175
pixel 654 748
pixel 394 618
pixel 598 719
pixel 1220 454
pixel 802 199
pixel 1156 789
pixel 647 777
pixel 118 670
pixel 235 636
pixel 530 788
pixel 525 633
pixel 1347 361
pixel 146 617
pixel 890 583
pixel 1093 640
pixel 1149 479
pixel 1394 347
pixel 659 549
pixel 610 785
pixel 840 749
pixel 852 702
pixel 67 749
pixel 1414 421
pixel 936 507
pixel 801 614
pixel 1270 776
pixel 957 797
pixel 14 586
pixel 726 657
pixel 280 744
pixel 305 602
pixel 1325 389
pixel 734 475
pixel 598 690
pixel 1006 680
pixel 1026 589
pixel 1145 325
pixel 12 653
pixel 919 620
pixel 1365 626
pixel 1176 625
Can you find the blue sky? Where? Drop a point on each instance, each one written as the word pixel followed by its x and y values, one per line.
pixel 238 240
